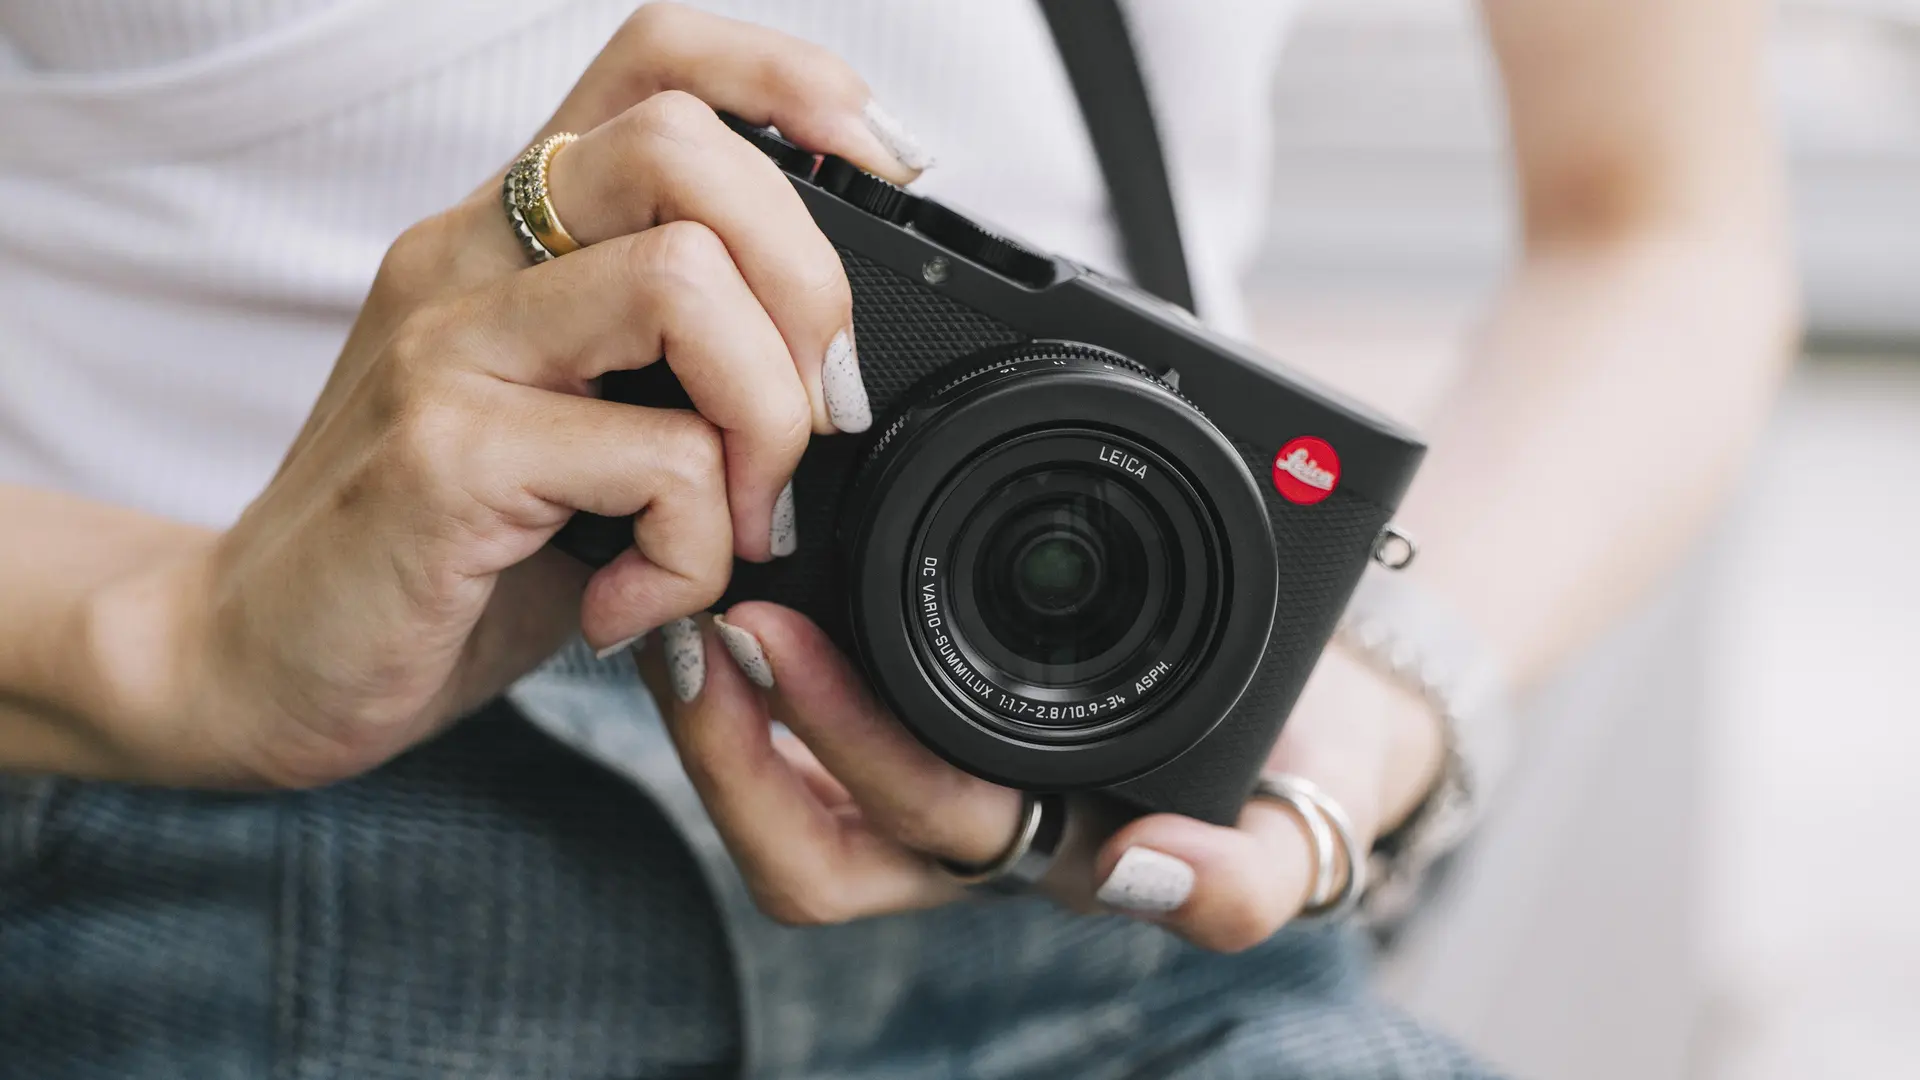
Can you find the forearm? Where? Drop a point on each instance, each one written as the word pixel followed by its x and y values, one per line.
pixel 1634 355
pixel 1614 391
pixel 90 633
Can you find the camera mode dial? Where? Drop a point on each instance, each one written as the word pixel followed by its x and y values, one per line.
pixel 955 231
pixel 838 176
pixel 967 239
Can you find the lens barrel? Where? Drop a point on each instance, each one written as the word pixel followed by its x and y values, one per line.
pixel 1062 573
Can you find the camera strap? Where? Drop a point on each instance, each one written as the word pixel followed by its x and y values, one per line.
pixel 1098 54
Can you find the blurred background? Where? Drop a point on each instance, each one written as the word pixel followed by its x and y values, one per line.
pixel 1702 871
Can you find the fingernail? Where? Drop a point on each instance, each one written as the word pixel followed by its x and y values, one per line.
pixel 1147 882
pixel 746 651
pixel 840 381
pixel 686 658
pixel 620 646
pixel 904 147
pixel 784 539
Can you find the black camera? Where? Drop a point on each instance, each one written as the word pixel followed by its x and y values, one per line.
pixel 1087 544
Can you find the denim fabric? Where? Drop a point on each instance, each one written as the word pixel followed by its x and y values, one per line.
pixel 495 904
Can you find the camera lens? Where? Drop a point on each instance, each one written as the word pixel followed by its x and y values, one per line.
pixel 1063 574
pixel 1066 580
pixel 1061 566
pixel 1057 574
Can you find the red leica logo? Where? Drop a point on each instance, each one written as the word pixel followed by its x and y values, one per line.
pixel 1306 470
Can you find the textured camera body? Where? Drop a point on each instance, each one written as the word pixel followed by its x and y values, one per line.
pixel 924 309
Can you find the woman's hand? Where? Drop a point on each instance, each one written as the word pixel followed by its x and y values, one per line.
pixel 394 573
pixel 844 818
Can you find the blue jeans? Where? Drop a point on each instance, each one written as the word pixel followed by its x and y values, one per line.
pixel 497 904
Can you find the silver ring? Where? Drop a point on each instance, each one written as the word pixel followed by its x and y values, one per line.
pixel 530 245
pixel 1319 835
pixel 1328 899
pixel 1043 822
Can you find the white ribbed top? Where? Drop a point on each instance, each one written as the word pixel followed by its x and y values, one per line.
pixel 199 191
pixel 126 35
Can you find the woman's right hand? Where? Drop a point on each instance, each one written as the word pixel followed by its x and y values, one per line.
pixel 394 573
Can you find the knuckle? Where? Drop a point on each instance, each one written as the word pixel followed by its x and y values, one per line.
pixel 790 422
pixel 421 342
pixel 687 256
pixel 416 258
pixel 691 469
pixel 706 585
pixel 694 458
pixel 418 360
pixel 417 248
pixel 670 117
pixel 823 277
pixel 430 436
pixel 650 21
pixel 427 414
pixel 777 429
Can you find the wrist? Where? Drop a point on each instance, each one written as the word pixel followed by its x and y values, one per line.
pixel 141 655
pixel 1371 743
pixel 1414 744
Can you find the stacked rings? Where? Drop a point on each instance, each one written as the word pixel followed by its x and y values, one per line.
pixel 1330 834
pixel 525 197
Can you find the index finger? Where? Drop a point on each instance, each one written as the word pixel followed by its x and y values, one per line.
pixel 759 74
pixel 671 159
pixel 909 792
pixel 645 156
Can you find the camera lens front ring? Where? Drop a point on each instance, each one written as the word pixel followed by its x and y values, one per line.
pixel 1063 582
pixel 1063 575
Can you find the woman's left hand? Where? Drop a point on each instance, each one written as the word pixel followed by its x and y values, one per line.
pixel 844 818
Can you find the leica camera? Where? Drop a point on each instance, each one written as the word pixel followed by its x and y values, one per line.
pixel 1087 544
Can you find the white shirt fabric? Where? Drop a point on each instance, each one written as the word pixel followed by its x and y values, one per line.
pixel 197 193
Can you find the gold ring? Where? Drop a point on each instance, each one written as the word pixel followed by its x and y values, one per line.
pixel 525 196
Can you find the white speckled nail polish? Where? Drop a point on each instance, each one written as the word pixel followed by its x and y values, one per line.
pixel 840 382
pixel 785 539
pixel 746 652
pixel 1147 882
pixel 686 657
pixel 904 147
pixel 620 646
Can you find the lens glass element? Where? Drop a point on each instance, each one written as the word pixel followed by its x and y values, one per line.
pixel 1063 580
pixel 1065 562
pixel 1062 575
pixel 1058 572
